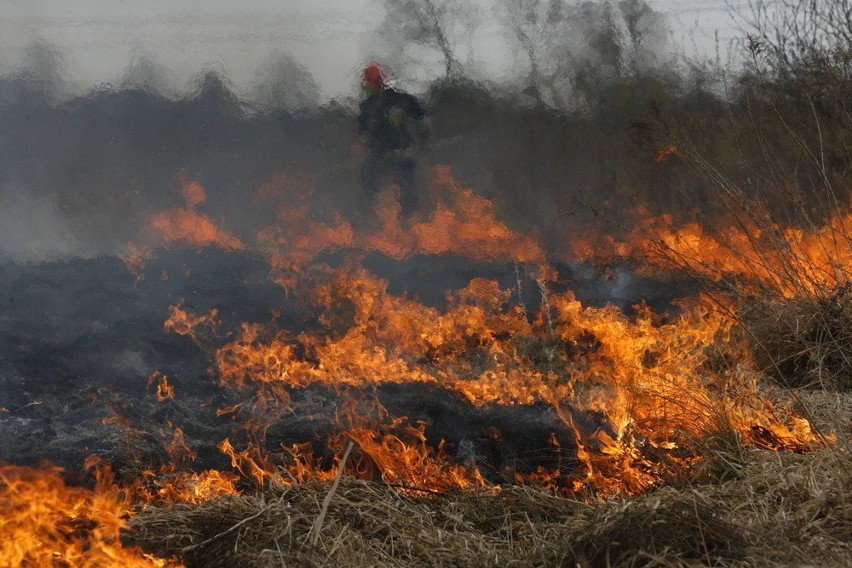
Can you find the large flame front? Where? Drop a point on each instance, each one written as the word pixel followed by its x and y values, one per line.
pixel 655 386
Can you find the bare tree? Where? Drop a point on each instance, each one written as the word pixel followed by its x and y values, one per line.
pixel 43 69
pixel 801 50
pixel 574 48
pixel 533 23
pixel 800 66
pixel 800 40
pixel 429 23
pixel 283 83
pixel 794 27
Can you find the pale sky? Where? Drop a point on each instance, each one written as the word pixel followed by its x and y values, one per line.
pixel 99 38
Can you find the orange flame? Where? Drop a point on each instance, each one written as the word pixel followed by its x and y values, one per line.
pixel 388 449
pixel 165 390
pixel 655 384
pixel 182 322
pixel 186 225
pixel 761 257
pixel 666 152
pixel 635 392
pixel 46 523
pixel 184 486
pixel 136 258
pixel 461 222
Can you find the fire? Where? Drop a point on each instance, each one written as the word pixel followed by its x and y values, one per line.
pixel 182 322
pixel 763 257
pixel 462 222
pixel 657 386
pixel 667 152
pixel 174 482
pixel 186 486
pixel 387 449
pixel 405 460
pixel 136 258
pixel 165 390
pixel 170 481
pixel 186 225
pixel 250 462
pixel 395 451
pixel 635 394
pixel 46 523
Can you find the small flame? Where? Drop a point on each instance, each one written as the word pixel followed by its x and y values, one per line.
pixel 135 260
pixel 762 256
pixel 667 152
pixel 186 225
pixel 388 449
pixel 165 390
pixel 182 322
pixel 462 222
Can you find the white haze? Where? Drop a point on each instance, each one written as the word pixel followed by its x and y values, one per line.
pixel 98 40
pixel 68 182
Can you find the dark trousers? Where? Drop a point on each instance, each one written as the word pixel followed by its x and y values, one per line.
pixel 377 171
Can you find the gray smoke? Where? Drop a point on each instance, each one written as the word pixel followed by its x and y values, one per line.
pixel 81 173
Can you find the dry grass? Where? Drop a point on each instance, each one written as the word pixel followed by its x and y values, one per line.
pixel 769 509
pixel 367 524
pixel 804 342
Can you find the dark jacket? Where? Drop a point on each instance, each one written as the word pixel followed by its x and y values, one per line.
pixel 391 122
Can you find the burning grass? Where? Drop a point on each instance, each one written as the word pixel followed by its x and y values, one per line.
pixel 678 470
pixel 775 508
pixel 46 523
pixel 786 283
pixel 634 392
pixel 742 507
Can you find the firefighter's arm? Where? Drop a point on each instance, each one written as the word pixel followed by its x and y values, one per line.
pixel 417 127
pixel 423 129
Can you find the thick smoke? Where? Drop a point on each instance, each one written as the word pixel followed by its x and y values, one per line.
pixel 81 175
pixel 35 228
pixel 84 172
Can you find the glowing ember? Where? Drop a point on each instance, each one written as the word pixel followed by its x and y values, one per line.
pixel 666 152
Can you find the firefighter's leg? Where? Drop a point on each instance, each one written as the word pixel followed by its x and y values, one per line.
pixel 405 178
pixel 372 176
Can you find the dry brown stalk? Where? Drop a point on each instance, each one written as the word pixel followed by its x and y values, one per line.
pixel 313 534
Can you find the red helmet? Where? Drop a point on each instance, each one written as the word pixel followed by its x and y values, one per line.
pixel 375 76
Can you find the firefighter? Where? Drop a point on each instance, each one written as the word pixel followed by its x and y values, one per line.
pixel 392 125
